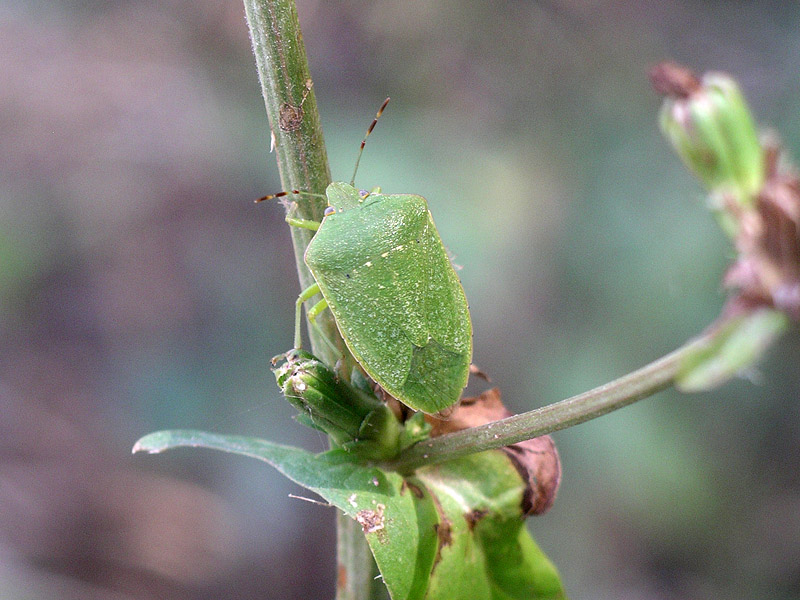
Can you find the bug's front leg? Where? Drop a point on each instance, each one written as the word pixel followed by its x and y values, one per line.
pixel 306 294
pixel 312 318
pixel 303 223
pixel 312 313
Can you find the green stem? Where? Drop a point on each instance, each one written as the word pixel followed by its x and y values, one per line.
pixel 303 165
pixel 296 131
pixel 356 571
pixel 621 392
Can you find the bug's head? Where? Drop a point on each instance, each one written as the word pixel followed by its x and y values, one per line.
pixel 342 196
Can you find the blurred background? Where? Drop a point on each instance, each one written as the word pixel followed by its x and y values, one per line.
pixel 141 289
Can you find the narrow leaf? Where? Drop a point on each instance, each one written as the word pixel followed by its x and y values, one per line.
pixel 740 345
pixel 398 519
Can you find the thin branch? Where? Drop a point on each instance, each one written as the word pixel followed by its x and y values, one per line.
pixel 296 132
pixel 303 165
pixel 616 394
pixel 356 568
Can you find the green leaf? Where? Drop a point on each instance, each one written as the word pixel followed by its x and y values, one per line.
pixel 739 345
pixel 399 520
pixel 485 550
pixel 454 531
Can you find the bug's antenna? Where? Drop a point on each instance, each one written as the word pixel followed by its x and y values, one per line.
pixel 290 193
pixel 278 195
pixel 364 141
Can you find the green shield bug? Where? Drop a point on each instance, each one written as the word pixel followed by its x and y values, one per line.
pixel 386 277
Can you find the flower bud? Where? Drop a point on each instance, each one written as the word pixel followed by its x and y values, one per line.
pixel 350 416
pixel 708 123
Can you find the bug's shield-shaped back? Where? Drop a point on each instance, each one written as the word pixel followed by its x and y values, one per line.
pixel 397 301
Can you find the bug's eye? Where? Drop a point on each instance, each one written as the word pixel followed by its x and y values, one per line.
pixel 329 211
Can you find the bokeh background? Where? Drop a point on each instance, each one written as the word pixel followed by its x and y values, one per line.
pixel 140 288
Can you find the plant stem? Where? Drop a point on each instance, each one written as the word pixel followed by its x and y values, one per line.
pixel 303 165
pixel 621 392
pixel 296 132
pixel 356 570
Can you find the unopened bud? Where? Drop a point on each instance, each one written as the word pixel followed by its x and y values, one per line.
pixel 708 123
pixel 348 415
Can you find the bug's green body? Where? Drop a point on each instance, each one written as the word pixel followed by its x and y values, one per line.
pixel 387 279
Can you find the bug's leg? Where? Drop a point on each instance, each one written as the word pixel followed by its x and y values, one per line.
pixel 312 318
pixel 306 294
pixel 303 223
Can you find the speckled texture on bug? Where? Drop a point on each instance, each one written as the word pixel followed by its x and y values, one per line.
pixel 398 303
